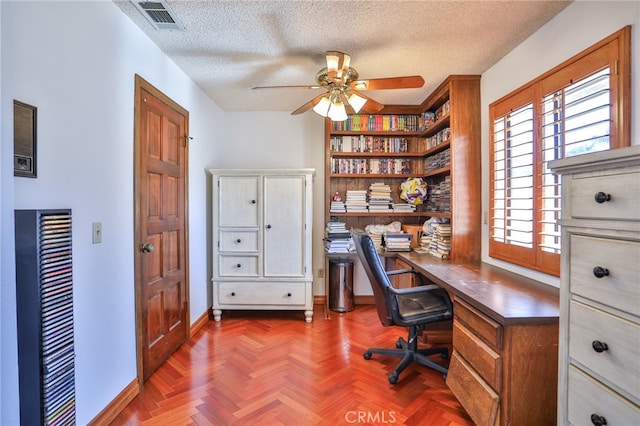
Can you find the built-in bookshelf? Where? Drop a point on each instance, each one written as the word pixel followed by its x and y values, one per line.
pixel 438 141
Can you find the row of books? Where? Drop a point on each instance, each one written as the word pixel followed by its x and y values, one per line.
pixel 439 138
pixel 439 199
pixel 380 123
pixel 438 161
pixel 397 241
pixel 368 143
pixel 392 166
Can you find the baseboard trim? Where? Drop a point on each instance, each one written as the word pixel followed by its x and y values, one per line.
pixel 115 407
pixel 199 323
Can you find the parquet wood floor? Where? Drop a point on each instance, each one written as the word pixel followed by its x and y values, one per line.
pixel 272 368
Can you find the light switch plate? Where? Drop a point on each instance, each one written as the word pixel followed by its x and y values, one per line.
pixel 97 232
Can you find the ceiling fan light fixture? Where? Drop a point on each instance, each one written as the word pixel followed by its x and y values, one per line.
pixel 357 102
pixel 322 107
pixel 337 111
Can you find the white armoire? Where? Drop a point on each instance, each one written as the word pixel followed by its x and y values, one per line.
pixel 262 224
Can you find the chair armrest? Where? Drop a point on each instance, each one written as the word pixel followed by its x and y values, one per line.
pixel 407 271
pixel 412 290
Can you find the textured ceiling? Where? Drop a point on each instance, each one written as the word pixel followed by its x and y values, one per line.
pixel 228 47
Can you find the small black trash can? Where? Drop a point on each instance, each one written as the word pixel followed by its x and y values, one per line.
pixel 341 285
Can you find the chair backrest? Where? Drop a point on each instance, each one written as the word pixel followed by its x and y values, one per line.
pixel 370 259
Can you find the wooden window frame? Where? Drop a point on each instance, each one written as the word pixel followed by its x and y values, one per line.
pixel 614 52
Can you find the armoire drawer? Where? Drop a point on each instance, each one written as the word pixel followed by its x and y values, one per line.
pixel 588 397
pixel 238 241
pixel 478 323
pixel 606 270
pixel 482 358
pixel 257 293
pixel 619 362
pixel 618 194
pixel 238 266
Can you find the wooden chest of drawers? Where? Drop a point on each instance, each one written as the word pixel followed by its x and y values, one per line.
pixel 599 353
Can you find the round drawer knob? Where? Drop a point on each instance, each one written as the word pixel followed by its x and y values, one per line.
pixel 253 201
pixel 600 272
pixel 598 420
pixel 233 293
pixel 268 226
pixel 602 197
pixel 238 240
pixel 239 265
pixel 288 294
pixel 599 346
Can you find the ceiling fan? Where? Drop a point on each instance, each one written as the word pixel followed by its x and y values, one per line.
pixel 344 88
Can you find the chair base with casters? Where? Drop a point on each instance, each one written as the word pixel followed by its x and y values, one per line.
pixel 409 352
pixel 413 308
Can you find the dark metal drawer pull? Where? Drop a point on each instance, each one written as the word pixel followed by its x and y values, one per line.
pixel 602 197
pixel 598 420
pixel 600 272
pixel 599 346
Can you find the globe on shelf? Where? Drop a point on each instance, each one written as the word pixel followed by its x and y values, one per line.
pixel 413 191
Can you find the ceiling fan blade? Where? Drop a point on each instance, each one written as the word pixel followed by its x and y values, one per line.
pixel 287 87
pixel 370 107
pixel 306 107
pixel 406 82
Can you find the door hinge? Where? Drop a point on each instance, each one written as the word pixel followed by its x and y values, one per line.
pixel 187 138
pixel 615 67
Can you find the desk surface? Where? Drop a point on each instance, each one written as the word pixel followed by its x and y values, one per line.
pixel 506 297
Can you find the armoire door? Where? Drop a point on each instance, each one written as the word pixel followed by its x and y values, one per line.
pixel 238 202
pixel 283 226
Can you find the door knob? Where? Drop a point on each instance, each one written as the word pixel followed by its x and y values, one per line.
pixel 147 248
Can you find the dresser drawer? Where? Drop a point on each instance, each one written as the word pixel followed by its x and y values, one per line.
pixel 623 189
pixel 479 400
pixel 478 323
pixel 482 358
pixel 588 397
pixel 238 266
pixel 238 241
pixel 619 259
pixel 263 294
pixel 620 363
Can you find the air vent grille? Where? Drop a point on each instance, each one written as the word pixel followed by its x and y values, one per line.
pixel 159 15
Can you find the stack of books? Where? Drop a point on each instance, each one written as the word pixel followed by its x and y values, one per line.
pixel 337 207
pixel 397 241
pixel 356 201
pixel 380 197
pixel 337 238
pixel 441 241
pixel 439 197
pixel 403 208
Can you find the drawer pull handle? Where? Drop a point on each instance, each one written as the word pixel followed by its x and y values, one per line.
pixel 253 201
pixel 239 265
pixel 600 272
pixel 598 420
pixel 599 346
pixel 238 240
pixel 602 197
pixel 288 294
pixel 233 293
pixel 268 226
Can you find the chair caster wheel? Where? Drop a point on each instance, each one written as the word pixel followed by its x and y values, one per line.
pixel 393 378
pixel 367 355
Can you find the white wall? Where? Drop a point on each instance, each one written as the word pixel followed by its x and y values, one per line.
pixel 76 61
pixel 580 25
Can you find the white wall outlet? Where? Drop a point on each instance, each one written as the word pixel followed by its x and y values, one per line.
pixel 97 232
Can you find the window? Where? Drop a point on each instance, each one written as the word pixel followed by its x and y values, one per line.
pixel 581 106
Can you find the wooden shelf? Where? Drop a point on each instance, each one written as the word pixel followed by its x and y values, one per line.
pixel 341 154
pixel 374 176
pixel 391 214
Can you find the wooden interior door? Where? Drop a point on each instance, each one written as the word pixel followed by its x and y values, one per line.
pixel 161 225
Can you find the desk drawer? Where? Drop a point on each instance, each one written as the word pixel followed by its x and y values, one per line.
pixel 478 399
pixel 237 293
pixel 623 189
pixel 621 259
pixel 478 323
pixel 587 397
pixel 620 363
pixel 484 360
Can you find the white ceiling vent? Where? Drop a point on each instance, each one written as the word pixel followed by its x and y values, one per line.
pixel 159 14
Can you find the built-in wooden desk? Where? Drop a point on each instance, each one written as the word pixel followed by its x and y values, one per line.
pixel 504 364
